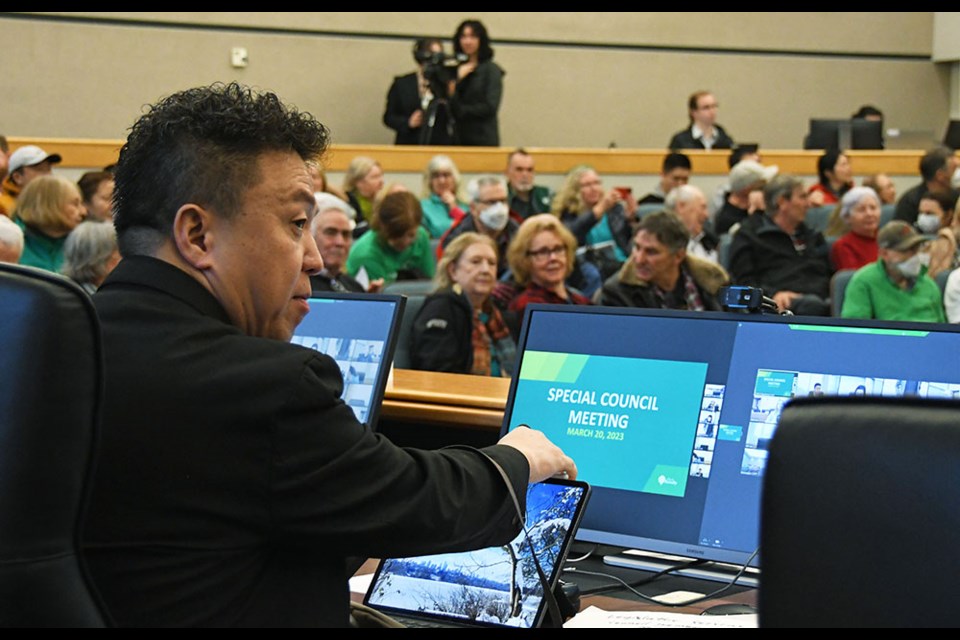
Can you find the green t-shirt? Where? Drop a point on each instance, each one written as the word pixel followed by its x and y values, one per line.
pixel 871 294
pixel 383 261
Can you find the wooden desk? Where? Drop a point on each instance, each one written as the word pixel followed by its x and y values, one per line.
pixel 430 409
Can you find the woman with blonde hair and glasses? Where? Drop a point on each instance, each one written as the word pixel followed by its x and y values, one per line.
pixel 541 257
pixel 48 209
pixel 459 329
pixel 443 203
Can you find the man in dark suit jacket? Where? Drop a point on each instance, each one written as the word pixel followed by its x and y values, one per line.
pixel 409 100
pixel 703 132
pixel 232 480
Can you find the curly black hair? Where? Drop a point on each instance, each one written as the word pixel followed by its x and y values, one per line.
pixel 201 145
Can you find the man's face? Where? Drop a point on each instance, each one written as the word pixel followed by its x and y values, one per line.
pixel 653 261
pixel 260 260
pixel 334 236
pixel 520 173
pixel 944 175
pixel 694 213
pixel 24 175
pixel 706 112
pixel 489 195
pixel 794 208
pixel 676 177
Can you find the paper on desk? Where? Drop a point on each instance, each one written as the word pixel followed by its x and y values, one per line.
pixel 360 584
pixel 363 278
pixel 595 618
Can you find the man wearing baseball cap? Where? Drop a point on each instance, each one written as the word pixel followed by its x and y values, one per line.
pixel 896 286
pixel 26 163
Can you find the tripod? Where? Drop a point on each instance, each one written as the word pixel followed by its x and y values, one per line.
pixel 437 127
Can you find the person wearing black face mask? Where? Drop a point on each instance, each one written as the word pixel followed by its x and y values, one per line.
pixel 489 216
pixel 896 286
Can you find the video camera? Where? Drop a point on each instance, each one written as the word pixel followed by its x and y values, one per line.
pixel 439 69
pixel 746 300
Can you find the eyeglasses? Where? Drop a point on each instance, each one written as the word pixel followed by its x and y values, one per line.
pixel 331 232
pixel 546 252
pixel 441 174
pixel 493 201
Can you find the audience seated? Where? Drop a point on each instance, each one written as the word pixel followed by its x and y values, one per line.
pixel 883 185
pixel 836 178
pixel 661 273
pixel 488 216
pixel 747 179
pixel 737 154
pixel 703 132
pixel 674 172
pixel 442 203
pixel 48 208
pixel 361 183
pixel 690 205
pixel 396 247
pixel 541 258
pixel 26 163
pixel 11 241
pixel 526 197
pixel 595 217
pixel 459 329
pixel 936 218
pixel 96 189
pixel 896 286
pixel 778 253
pixel 90 253
pixel 332 228
pixel 936 169
pixel 860 214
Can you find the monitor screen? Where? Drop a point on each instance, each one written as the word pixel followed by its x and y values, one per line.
pixel 951 138
pixel 668 415
pixel 857 133
pixel 359 331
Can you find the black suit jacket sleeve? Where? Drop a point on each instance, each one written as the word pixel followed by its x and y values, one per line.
pixel 338 485
pixel 403 99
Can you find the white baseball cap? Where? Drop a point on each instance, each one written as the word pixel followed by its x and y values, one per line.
pixel 29 155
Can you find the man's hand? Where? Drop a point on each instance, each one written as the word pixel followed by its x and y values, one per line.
pixel 416 119
pixel 784 299
pixel 545 458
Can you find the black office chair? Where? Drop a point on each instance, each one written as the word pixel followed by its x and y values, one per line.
pixel 50 396
pixel 861 514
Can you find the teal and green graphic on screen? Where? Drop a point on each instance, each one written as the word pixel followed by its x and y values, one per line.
pixel 628 423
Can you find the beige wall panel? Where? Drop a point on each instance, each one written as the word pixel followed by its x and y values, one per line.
pixel 873 32
pixel 91 80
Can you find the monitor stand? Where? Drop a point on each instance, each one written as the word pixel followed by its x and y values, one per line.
pixel 655 562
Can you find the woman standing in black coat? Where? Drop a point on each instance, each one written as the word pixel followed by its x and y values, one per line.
pixel 475 95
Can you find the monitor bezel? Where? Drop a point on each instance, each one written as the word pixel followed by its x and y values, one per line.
pixel 866 135
pixel 676 548
pixel 389 347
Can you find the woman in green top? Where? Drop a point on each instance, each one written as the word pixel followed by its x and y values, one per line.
pixel 396 247
pixel 48 209
pixel 443 205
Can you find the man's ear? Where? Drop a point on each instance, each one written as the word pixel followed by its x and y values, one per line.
pixel 193 228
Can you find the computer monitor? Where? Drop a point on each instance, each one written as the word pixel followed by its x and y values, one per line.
pixel 669 414
pixel 359 331
pixel 952 137
pixel 856 133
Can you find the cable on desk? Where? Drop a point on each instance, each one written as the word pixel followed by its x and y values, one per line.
pixel 586 555
pixel 630 585
pixel 685 603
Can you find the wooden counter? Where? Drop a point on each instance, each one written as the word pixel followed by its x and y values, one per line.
pixel 474 402
pixel 95 153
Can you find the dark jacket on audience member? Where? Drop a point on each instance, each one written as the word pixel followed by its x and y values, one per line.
pixel 442 336
pixel 233 481
pixel 475 105
pixel 685 140
pixel 764 255
pixel 324 282
pixel 625 289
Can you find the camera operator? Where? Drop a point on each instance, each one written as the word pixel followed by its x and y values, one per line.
pixel 476 92
pixel 415 95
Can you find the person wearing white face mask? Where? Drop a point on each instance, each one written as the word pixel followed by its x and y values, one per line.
pixel 936 218
pixel 896 286
pixel 489 215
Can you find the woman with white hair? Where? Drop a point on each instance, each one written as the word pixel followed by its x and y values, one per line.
pixel 90 254
pixel 860 211
pixel 443 205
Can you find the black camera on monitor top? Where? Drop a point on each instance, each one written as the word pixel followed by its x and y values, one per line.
pixel 745 300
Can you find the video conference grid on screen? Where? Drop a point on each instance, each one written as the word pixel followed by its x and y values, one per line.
pixel 354 333
pixel 669 415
